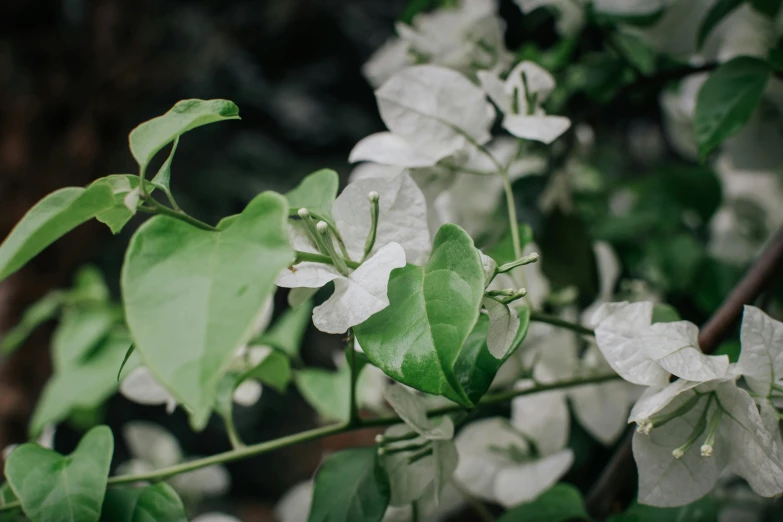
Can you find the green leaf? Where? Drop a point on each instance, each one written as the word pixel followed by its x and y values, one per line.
pixel 664 313
pixel 162 179
pixel 316 193
pixel 7 497
pixel 417 340
pixel 351 487
pixel 274 370
pixel 151 136
pixel 327 392
pixel 287 332
pixel 54 488
pixel 51 218
pixel 770 8
pixel 80 330
pixel 775 59
pixel 720 10
pixel 192 296
pixel 727 100
pixel 703 510
pixel 84 385
pixel 37 314
pixel 476 367
pixel 635 51
pixel 89 285
pixel 560 503
pixel 119 214
pixel 154 503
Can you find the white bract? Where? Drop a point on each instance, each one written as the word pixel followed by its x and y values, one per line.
pixel 465 37
pixel 413 411
pixel 646 354
pixel 761 358
pixel 689 433
pixel 520 99
pixel 216 517
pixel 431 112
pixel 152 447
pixel 402 233
pixel 514 462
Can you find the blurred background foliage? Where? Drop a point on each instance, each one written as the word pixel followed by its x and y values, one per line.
pixel 77 75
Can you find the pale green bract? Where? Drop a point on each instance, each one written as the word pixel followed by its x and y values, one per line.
pixel 54 488
pixel 192 296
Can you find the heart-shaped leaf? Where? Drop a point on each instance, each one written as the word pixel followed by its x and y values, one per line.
pixel 418 338
pixel 85 384
pixel 151 136
pixel 51 218
pixel 316 193
pixel 154 503
pixel 192 296
pixel 55 488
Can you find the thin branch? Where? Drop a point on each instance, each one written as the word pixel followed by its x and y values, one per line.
pixel 620 469
pixel 556 321
pixel 326 431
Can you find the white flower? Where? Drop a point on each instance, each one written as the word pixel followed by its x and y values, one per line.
pixel 402 232
pixel 690 432
pixel 644 353
pixel 520 97
pixel 152 448
pixel 513 462
pixel 466 37
pixel 413 411
pixel 431 113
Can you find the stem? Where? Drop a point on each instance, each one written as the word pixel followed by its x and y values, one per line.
pixel 231 430
pixel 353 418
pixel 556 321
pixel 166 211
pixel 325 431
pixel 320 258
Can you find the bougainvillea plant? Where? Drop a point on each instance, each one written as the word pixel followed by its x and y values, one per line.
pixel 464 341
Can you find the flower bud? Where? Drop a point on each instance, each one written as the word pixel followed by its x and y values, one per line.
pixel 706 450
pixel 373 196
pixel 322 227
pixel 303 213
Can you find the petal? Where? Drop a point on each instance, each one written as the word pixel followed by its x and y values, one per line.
pixel 413 411
pixel 308 275
pixel 490 268
pixel 545 129
pixel 389 149
pixel 618 325
pixel 295 504
pixel 657 398
pixel 756 454
pixel 209 481
pixel 665 481
pixel 215 517
pixel 503 327
pixel 539 83
pixel 358 297
pixel 152 443
pixel 495 89
pixel 761 358
pixel 386 60
pixel 609 269
pixel 478 464
pixel 435 107
pixel 675 347
pixel 402 216
pixel 602 409
pixel 544 418
pixel 248 392
pixel 142 388
pixel 524 483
